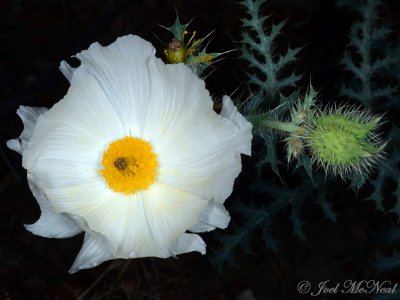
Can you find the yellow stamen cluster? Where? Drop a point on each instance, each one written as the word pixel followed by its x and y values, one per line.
pixel 205 59
pixel 130 165
pixel 195 42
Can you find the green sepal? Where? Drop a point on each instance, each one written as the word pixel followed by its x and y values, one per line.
pixel 178 29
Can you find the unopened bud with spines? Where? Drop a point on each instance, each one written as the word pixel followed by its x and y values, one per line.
pixel 191 52
pixel 175 52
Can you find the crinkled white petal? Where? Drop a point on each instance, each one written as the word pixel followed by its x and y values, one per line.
pixel 138 240
pixel 15 145
pixel 213 216
pixel 178 100
pixel 198 150
pixel 67 70
pixel 50 224
pixel 207 169
pixel 231 113
pixel 94 251
pixel 96 248
pixel 190 242
pixel 29 116
pixel 169 213
pixel 121 69
pixel 78 128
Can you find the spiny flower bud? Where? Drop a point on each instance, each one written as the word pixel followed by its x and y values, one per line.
pixel 342 140
pixel 294 147
pixel 191 52
pixel 175 52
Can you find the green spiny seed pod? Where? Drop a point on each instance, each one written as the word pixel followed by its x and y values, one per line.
pixel 342 140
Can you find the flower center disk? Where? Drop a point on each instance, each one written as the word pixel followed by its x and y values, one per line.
pixel 130 165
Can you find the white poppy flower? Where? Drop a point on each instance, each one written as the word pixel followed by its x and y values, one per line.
pixel 133 155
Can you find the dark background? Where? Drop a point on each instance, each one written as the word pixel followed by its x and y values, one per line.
pixel 36 35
